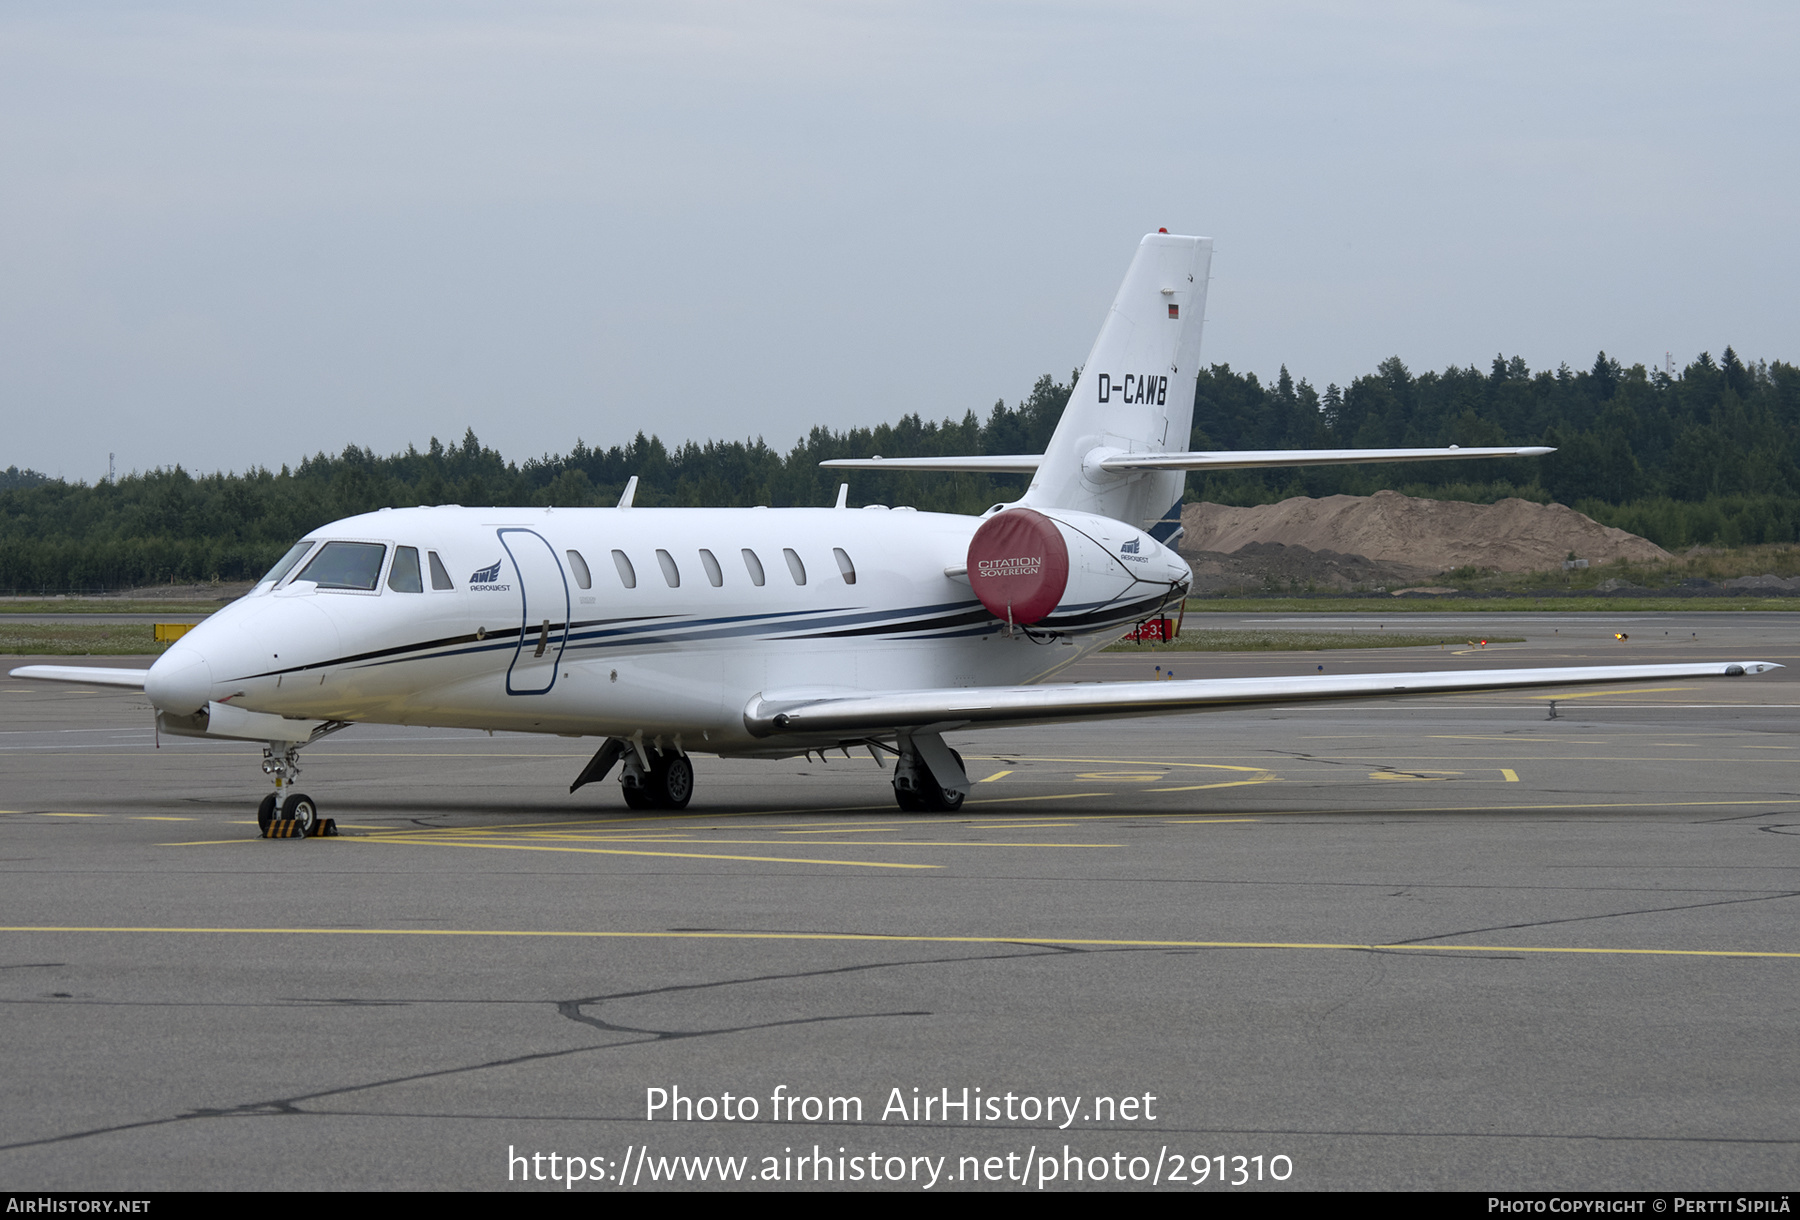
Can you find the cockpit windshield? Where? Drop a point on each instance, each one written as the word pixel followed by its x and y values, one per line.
pixel 294 555
pixel 346 565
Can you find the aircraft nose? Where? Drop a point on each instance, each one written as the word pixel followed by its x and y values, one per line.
pixel 180 681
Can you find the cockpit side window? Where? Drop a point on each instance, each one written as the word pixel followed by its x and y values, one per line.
pixel 404 576
pixel 346 565
pixel 440 579
pixel 295 554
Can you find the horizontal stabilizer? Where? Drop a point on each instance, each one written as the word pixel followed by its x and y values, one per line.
pixel 1250 459
pixel 1014 463
pixel 945 709
pixel 1247 459
pixel 86 674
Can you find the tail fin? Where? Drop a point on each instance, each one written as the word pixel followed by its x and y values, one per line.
pixel 1135 394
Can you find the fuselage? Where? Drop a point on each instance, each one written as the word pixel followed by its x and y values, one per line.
pixel 614 622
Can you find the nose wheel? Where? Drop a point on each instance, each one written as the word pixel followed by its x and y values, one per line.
pixel 283 813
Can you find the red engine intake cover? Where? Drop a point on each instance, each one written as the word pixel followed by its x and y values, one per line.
pixel 1018 562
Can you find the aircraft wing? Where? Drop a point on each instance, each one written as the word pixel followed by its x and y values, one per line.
pixel 85 674
pixel 772 715
pixel 1247 459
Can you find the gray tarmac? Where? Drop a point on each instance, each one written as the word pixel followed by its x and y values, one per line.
pixel 1435 943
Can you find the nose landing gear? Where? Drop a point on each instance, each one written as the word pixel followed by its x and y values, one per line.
pixel 292 815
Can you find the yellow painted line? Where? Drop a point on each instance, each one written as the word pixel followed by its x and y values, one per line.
pixel 1595 694
pixel 74 815
pixel 856 842
pixel 1530 741
pixel 895 938
pixel 1202 821
pixel 148 818
pixel 996 775
pixel 1511 776
pixel 680 855
pixel 1230 783
pixel 1054 796
pixel 1143 762
pixel 1128 776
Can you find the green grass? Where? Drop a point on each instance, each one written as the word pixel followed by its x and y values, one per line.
pixel 79 639
pixel 109 605
pixel 1204 639
pixel 1388 606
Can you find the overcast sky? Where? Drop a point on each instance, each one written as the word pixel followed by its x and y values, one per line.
pixel 233 235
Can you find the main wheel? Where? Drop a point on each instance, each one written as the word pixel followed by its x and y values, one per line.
pixel 301 809
pixel 673 781
pixel 907 799
pixel 939 799
pixel 265 814
pixel 637 798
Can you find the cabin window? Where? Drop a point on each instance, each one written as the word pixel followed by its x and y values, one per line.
pixel 671 573
pixel 295 554
pixel 578 565
pixel 753 565
pixel 714 573
pixel 346 565
pixel 404 576
pixel 795 567
pixel 844 565
pixel 627 574
pixel 440 579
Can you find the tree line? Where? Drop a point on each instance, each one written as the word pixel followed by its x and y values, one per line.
pixel 1708 455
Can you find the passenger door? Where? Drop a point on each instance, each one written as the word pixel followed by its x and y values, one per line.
pixel 544 617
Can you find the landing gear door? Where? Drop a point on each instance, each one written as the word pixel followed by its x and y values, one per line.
pixel 544 621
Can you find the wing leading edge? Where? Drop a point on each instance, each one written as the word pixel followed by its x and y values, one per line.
pixel 84 674
pixel 770 714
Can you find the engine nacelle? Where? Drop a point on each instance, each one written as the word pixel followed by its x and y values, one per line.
pixel 1068 571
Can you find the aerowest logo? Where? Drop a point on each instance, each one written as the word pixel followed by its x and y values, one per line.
pixel 1023 565
pixel 482 580
pixel 1130 548
pixel 1130 551
pixel 1134 387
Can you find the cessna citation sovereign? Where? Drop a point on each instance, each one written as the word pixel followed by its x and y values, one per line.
pixel 773 633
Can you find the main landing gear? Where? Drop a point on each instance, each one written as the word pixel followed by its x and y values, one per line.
pixel 668 784
pixel 929 776
pixel 653 776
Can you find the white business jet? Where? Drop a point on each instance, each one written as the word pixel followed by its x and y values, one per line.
pixel 773 633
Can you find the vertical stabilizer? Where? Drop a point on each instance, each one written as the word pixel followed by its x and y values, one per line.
pixel 1135 393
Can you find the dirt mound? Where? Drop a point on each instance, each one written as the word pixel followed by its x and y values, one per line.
pixel 1425 536
pixel 1262 566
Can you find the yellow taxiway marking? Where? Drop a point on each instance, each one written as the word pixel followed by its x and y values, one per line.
pixel 1511 776
pixel 608 851
pixel 898 938
pixel 1128 776
pixel 1525 740
pixel 809 842
pixel 151 818
pixel 996 775
pixel 1229 783
pixel 74 815
pixel 1595 694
